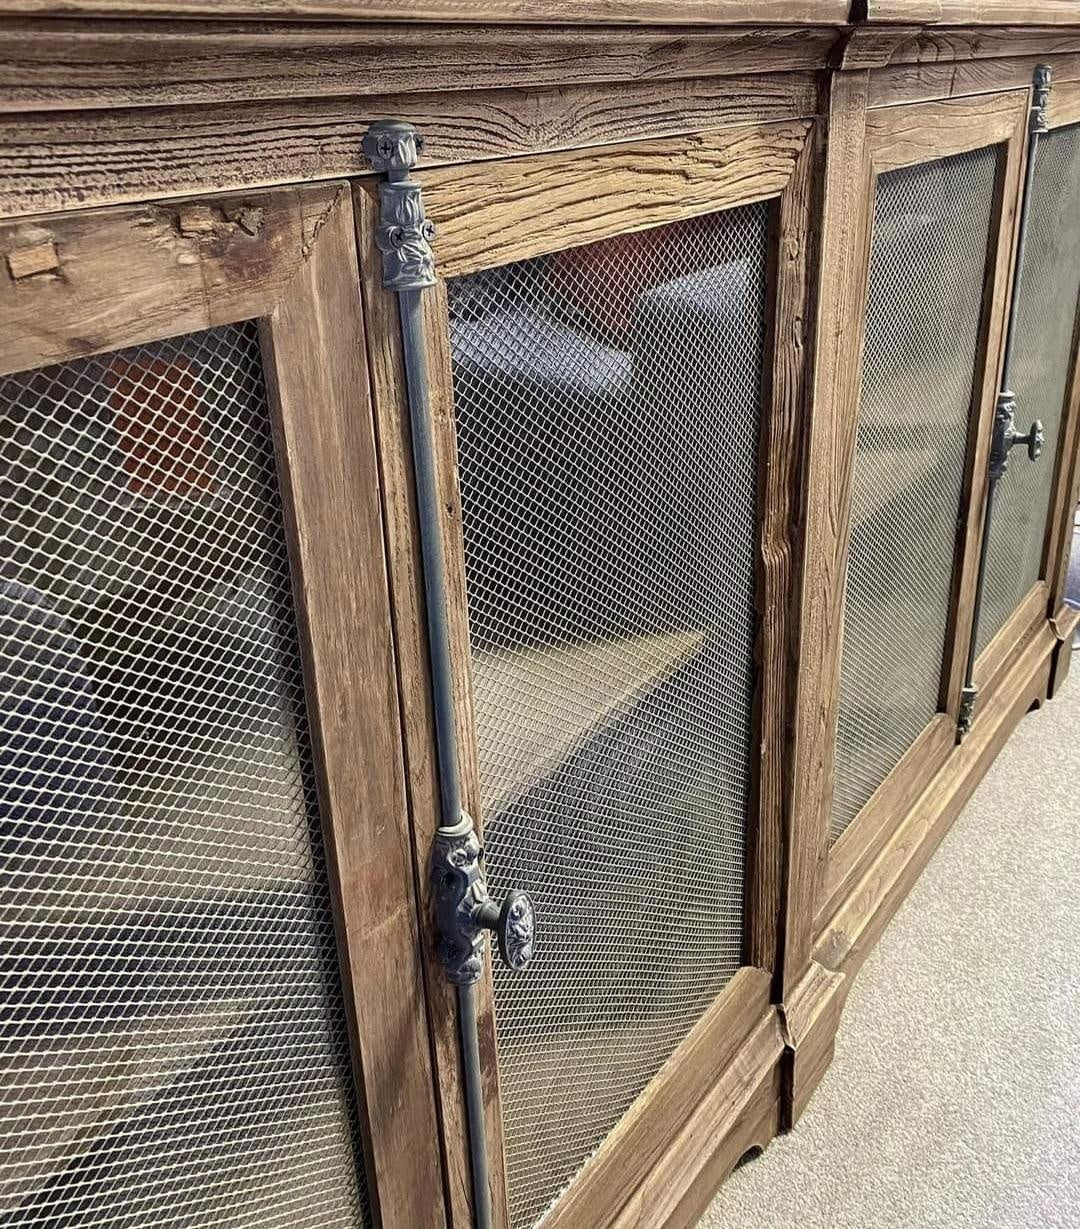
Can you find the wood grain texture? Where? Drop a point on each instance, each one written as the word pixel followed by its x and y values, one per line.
pixel 780 460
pixel 1065 629
pixel 740 1110
pixel 935 44
pixel 989 355
pixel 858 923
pixel 883 812
pixel 1025 13
pixel 1066 494
pixel 902 136
pixel 317 380
pixel 872 46
pixel 1065 102
pixel 173 282
pixel 811 1016
pixel 61 160
pixel 649 1130
pixel 826 506
pixel 637 12
pixel 909 83
pixel 999 655
pixel 74 65
pixel 490 214
pixel 394 443
pixel 971 12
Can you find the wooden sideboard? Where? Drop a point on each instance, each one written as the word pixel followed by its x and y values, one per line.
pixel 726 341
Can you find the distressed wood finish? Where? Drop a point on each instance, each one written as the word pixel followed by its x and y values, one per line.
pixel 903 136
pixel 989 357
pixel 740 1111
pixel 1064 105
pixel 969 12
pixel 317 378
pixel 935 44
pixel 785 400
pixel 64 160
pixel 286 258
pixel 182 267
pixel 394 442
pixel 491 214
pixel 811 1016
pixel 1002 651
pixel 1065 628
pixel 76 65
pixel 502 212
pixel 651 1128
pixel 886 808
pixel 1066 487
pixel 906 83
pixel 858 924
pixel 920 126
pixel 566 12
pixel 826 507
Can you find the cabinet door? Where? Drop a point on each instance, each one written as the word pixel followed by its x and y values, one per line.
pixel 944 180
pixel 200 771
pixel 615 345
pixel 1031 519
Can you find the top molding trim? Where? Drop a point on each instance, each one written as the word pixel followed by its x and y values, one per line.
pixel 485 12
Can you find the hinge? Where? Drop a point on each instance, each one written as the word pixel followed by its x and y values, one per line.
pixel 966 711
pixel 465 909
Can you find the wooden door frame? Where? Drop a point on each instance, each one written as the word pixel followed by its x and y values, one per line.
pixel 488 214
pixel 104 279
pixel 866 142
pixel 1045 599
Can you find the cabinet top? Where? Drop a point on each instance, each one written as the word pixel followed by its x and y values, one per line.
pixel 581 12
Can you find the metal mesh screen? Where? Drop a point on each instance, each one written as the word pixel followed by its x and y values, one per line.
pixel 608 408
pixel 1045 318
pixel 924 305
pixel 172 1040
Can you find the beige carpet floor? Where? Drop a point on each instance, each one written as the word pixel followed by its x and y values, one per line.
pixel 954 1097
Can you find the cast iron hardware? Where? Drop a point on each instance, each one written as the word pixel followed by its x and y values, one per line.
pixel 1005 436
pixel 465 910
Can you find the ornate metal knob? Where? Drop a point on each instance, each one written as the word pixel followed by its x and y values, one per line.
pixel 514 927
pixel 465 909
pixel 1034 440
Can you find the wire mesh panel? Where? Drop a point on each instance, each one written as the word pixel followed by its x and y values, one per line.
pixel 608 409
pixel 931 230
pixel 172 1039
pixel 1045 318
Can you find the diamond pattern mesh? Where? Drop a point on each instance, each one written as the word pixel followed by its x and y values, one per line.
pixel 172 1041
pixel 924 304
pixel 1045 318
pixel 608 408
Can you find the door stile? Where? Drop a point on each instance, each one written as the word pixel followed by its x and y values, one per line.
pixel 394 445
pixel 318 382
pixel 843 249
pixel 785 395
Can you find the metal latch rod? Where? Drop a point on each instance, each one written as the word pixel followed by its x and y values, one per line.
pixel 464 907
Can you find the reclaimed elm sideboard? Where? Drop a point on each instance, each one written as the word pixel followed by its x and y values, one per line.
pixel 639 436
